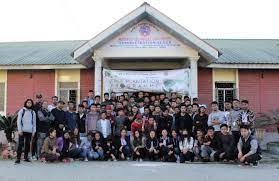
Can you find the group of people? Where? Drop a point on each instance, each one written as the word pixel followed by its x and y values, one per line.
pixel 140 127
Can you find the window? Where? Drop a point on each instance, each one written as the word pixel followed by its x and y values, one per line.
pixel 2 97
pixel 68 91
pixel 224 92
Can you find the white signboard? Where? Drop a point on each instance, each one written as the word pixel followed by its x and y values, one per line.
pixel 148 81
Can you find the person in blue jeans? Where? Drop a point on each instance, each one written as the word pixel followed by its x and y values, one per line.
pixel 98 146
pixel 124 145
pixel 86 146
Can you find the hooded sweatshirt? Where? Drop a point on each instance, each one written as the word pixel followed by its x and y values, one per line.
pixel 26 122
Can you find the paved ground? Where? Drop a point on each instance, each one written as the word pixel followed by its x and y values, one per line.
pixel 134 171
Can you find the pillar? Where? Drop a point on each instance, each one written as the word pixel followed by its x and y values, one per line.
pixel 193 76
pixel 98 75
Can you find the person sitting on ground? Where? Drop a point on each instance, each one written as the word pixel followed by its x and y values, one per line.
pixel 165 146
pixel 66 149
pixel 186 146
pixel 124 145
pixel 98 146
pixel 227 149
pixel 175 145
pixel 138 144
pixel 210 145
pixel 198 143
pixel 110 150
pixel 86 147
pixel 49 149
pixel 152 146
pixel 248 148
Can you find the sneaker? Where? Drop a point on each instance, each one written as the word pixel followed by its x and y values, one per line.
pixel 140 160
pixel 17 161
pixel 34 158
pixel 27 160
pixel 255 164
pixel 86 159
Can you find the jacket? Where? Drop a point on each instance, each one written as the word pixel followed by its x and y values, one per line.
pixel 91 121
pixel 100 129
pixel 49 145
pixel 26 120
pixel 187 143
pixel 151 141
pixel 45 120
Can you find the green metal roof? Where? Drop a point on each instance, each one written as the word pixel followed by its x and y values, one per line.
pixel 234 51
pixel 38 53
pixel 247 51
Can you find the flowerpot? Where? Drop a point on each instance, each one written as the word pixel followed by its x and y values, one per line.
pixel 273 147
pixel 259 133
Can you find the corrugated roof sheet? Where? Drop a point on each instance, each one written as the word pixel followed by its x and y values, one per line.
pixel 248 51
pixel 38 53
pixel 237 51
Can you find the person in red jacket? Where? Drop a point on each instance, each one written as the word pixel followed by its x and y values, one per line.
pixel 137 124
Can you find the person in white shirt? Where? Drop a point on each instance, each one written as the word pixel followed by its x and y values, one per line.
pixel 186 146
pixel 54 103
pixel 104 125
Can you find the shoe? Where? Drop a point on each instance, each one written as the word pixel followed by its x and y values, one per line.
pixel 34 158
pixel 255 164
pixel 27 160
pixel 140 160
pixel 86 159
pixel 17 161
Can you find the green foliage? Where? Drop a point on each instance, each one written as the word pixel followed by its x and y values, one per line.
pixel 270 118
pixel 8 125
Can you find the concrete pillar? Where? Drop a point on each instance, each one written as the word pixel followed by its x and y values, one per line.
pixel 193 76
pixel 98 75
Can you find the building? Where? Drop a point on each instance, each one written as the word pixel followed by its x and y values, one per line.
pixel 145 39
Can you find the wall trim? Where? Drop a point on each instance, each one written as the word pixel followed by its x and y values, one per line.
pixel 244 66
pixel 24 67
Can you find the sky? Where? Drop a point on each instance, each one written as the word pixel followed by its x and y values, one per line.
pixel 45 20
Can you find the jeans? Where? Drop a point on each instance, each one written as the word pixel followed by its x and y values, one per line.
pixel 126 150
pixel 189 156
pixel 40 142
pixel 24 141
pixel 87 153
pixel 207 152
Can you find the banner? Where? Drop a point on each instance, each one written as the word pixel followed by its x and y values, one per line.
pixel 148 81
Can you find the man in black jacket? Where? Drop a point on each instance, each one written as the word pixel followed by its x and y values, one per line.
pixel 81 116
pixel 59 118
pixel 227 150
pixel 183 120
pixel 248 147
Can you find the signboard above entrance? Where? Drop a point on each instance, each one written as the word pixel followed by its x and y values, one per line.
pixel 145 35
pixel 148 81
pixel 145 39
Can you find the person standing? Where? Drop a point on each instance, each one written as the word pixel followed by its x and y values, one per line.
pixel 216 117
pixel 53 105
pixel 233 120
pixel 246 116
pixel 43 125
pixel 59 118
pixel 26 125
pixel 81 120
pixel 104 125
pixel 71 116
pixel 183 120
pixel 200 120
pixel 91 119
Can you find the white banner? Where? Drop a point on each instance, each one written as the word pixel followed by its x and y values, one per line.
pixel 148 81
